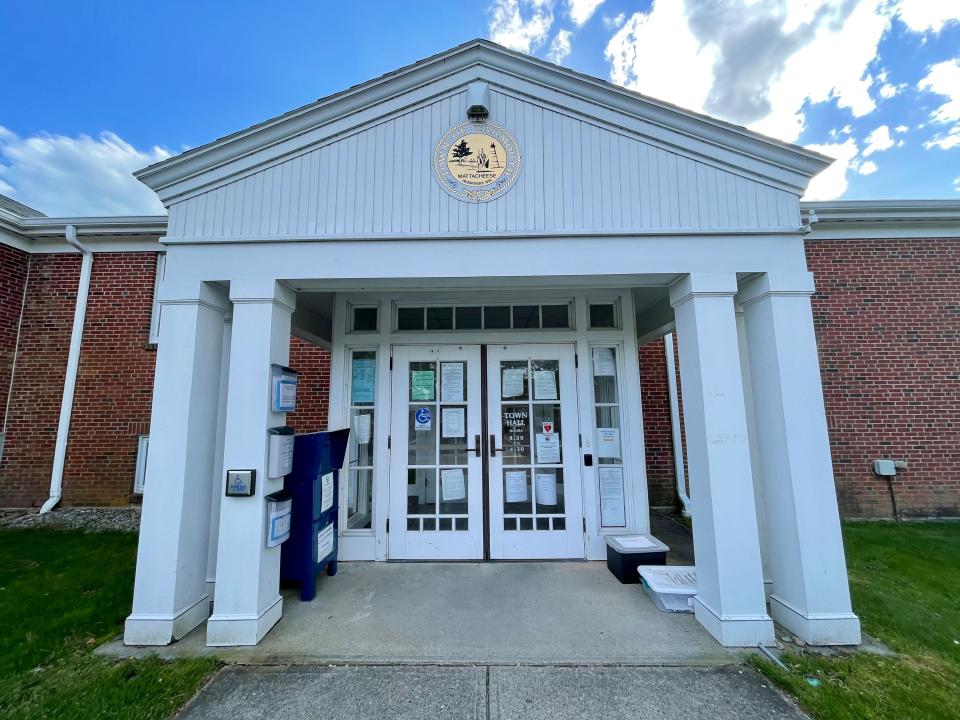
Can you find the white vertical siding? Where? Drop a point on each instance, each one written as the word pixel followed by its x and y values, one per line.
pixel 576 176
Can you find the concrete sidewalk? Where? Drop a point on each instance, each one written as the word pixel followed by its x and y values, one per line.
pixel 538 613
pixel 499 693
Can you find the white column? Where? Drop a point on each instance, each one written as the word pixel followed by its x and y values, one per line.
pixel 810 595
pixel 247 601
pixel 170 596
pixel 730 599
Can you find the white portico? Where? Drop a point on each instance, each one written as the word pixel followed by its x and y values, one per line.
pixel 484 321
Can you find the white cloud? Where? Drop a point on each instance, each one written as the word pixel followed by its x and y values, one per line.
pixel 944 79
pixel 928 15
pixel 582 10
pixel 878 140
pixel 956 184
pixel 867 168
pixel 945 141
pixel 901 128
pixel 753 62
pixel 64 176
pixel 617 21
pixel 832 182
pixel 888 90
pixel 560 47
pixel 521 24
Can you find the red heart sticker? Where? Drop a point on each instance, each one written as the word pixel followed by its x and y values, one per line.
pixel 548 427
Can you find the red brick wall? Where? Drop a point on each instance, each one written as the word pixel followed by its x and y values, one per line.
pixel 313 388
pixel 657 436
pixel 887 314
pixel 38 383
pixel 14 265
pixel 111 405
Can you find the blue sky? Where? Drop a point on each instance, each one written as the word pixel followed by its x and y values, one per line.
pixel 95 90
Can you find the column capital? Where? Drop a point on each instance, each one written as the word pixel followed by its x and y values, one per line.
pixel 257 290
pixel 208 295
pixel 702 285
pixel 776 284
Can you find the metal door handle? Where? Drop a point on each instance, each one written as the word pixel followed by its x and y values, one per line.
pixel 493 446
pixel 476 446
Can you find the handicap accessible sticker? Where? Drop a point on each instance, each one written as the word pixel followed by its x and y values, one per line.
pixel 423 419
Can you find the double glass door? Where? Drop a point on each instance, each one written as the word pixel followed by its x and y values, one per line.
pixel 484 453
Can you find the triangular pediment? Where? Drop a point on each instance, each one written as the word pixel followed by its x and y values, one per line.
pixel 595 157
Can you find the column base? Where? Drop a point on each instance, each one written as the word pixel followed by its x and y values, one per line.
pixel 163 629
pixel 735 630
pixel 816 628
pixel 224 630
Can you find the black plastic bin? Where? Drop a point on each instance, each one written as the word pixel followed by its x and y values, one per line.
pixel 626 552
pixel 315 455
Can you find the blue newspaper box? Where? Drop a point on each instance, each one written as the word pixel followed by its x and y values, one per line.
pixel 313 485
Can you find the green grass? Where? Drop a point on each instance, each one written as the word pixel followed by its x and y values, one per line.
pixel 61 594
pixel 905 581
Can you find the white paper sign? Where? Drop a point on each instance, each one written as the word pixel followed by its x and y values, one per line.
pixel 546 487
pixel 285 394
pixel 451 382
pixel 516 482
pixel 453 422
pixel 603 363
pixel 281 455
pixel 325 542
pixel 608 443
pixel 548 447
pixel 512 382
pixel 363 426
pixel 612 512
pixel 326 492
pixel 544 385
pixel 453 484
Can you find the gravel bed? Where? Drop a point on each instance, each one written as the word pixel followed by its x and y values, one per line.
pixel 89 519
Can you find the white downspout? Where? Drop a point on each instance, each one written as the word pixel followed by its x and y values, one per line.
pixel 70 381
pixel 675 424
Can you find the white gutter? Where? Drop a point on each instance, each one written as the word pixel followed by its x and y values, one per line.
pixel 675 424
pixel 70 381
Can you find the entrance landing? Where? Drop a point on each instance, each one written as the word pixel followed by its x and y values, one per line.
pixel 474 613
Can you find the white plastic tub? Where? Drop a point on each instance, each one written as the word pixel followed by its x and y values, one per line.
pixel 671 587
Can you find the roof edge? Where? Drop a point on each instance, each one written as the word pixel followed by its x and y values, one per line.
pixel 233 147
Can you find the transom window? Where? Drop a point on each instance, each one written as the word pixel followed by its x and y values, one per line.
pixel 520 316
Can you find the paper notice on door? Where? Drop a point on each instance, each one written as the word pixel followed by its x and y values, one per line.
pixel 325 542
pixel 362 426
pixel 548 447
pixel 546 487
pixel 422 384
pixel 608 443
pixel 544 385
pixel 452 423
pixel 516 486
pixel 451 382
pixel 611 497
pixel 326 492
pixel 363 380
pixel 603 363
pixel 513 382
pixel 453 485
